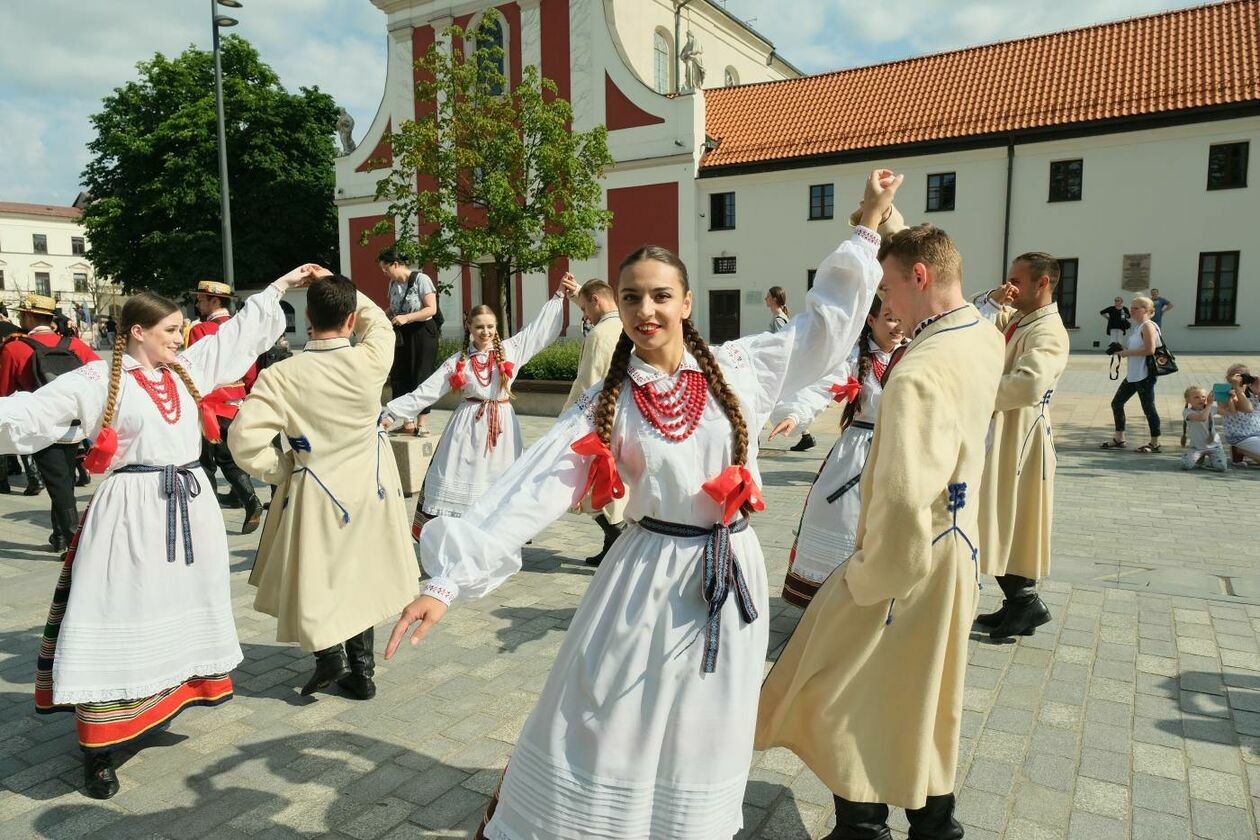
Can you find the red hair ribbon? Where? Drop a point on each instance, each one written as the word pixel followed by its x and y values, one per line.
pixel 506 369
pixel 732 489
pixel 602 481
pixel 458 380
pixel 102 452
pixel 848 392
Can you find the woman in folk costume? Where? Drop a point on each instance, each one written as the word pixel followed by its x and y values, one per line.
pixel 828 530
pixel 141 623
pixel 483 436
pixel 644 727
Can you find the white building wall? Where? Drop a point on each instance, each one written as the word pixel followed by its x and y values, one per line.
pixel 1143 192
pixel 20 263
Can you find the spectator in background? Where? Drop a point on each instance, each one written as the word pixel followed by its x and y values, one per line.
pixel 412 307
pixel 1140 378
pixel 1240 412
pixel 1200 440
pixel 1117 316
pixel 1162 305
pixel 776 302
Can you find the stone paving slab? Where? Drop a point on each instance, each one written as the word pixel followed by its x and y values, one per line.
pixel 1134 714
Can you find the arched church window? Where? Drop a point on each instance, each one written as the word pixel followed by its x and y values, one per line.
pixel 492 52
pixel 660 62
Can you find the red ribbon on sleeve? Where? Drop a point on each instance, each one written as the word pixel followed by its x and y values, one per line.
pixel 506 369
pixel 209 421
pixel 602 481
pixel 458 380
pixel 102 452
pixel 732 489
pixel 848 392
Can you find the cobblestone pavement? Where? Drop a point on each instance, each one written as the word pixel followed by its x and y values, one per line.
pixel 1134 714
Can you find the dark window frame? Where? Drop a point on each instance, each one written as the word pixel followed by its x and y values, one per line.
pixel 78 246
pixel 725 265
pixel 1068 311
pixel 44 286
pixel 1061 185
pixel 1 279
pixel 80 282
pixel 939 190
pixel 822 201
pixel 39 243
pixel 1220 182
pixel 809 278
pixel 1217 313
pixel 722 207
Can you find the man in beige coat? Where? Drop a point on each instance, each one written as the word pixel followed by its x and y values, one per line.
pixel 869 689
pixel 1017 495
pixel 335 555
pixel 599 304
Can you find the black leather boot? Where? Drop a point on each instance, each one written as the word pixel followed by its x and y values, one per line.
pixel 611 532
pixel 1025 611
pixel 228 501
pixel 935 820
pixel 358 683
pixel 1010 584
pixel 330 666
pixel 806 442
pixel 253 515
pixel 34 484
pixel 99 779
pixel 860 821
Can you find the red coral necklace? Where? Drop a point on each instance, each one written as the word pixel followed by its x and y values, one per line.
pixel 164 393
pixel 674 413
pixel 482 370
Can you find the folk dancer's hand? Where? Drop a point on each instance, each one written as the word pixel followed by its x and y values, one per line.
pixel 569 284
pixel 881 188
pixel 786 426
pixel 427 611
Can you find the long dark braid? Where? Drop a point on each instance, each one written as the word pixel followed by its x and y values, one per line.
pixel 606 402
pixel 720 389
pixel 865 363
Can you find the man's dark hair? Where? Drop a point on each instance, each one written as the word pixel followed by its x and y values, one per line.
pixel 390 256
pixel 1041 264
pixel 329 302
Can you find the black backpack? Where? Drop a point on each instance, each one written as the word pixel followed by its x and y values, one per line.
pixel 50 362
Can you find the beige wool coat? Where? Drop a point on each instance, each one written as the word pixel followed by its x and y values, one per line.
pixel 1017 495
pixel 336 553
pixel 597 353
pixel 869 690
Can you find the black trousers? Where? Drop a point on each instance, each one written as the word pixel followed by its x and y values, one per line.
pixel 415 357
pixel 218 455
pixel 1145 391
pixel 56 466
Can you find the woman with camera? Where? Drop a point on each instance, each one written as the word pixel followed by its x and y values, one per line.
pixel 1240 412
pixel 1140 376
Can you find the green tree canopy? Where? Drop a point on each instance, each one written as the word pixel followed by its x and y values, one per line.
pixel 502 178
pixel 154 179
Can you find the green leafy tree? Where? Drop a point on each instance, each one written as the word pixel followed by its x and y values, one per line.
pixel 154 179
pixel 489 176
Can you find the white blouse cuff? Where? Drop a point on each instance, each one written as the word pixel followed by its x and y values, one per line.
pixel 441 588
pixel 867 236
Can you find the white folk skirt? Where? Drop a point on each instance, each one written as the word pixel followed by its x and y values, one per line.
pixel 629 738
pixel 828 530
pixel 463 466
pixel 135 623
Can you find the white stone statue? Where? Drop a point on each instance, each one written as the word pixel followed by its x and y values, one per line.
pixel 345 129
pixel 690 58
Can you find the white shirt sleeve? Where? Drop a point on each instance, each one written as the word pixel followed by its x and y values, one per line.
pixel 34 420
pixel 537 334
pixel 806 404
pixel 474 553
pixel 409 406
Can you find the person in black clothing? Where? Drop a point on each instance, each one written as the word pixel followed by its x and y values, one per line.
pixel 413 311
pixel 1118 323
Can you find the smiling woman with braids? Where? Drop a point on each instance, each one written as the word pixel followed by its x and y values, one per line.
pixel 645 724
pixel 146 630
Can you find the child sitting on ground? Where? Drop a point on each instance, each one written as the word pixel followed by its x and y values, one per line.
pixel 1199 437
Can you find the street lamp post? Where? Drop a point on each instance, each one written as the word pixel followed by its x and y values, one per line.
pixel 218 21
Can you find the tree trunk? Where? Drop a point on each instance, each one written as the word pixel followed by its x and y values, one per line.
pixel 506 320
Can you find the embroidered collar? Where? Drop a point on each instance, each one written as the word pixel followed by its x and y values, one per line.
pixel 129 364
pixel 641 373
pixel 927 322
pixel 610 314
pixel 219 313
pixel 41 331
pixel 473 351
pixel 320 345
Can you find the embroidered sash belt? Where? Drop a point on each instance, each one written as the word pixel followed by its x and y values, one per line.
pixel 180 485
pixel 722 576
pixel 490 410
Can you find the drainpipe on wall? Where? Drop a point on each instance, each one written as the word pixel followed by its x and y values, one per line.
pixel 1006 224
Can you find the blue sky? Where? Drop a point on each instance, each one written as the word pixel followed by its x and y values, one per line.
pixel 62 56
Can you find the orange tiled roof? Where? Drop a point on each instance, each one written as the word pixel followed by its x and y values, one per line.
pixel 1192 58
pixel 19 209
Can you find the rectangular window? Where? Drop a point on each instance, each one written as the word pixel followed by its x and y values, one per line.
pixel 1227 166
pixel 43 284
pixel 80 282
pixel 1065 180
pixel 722 211
pixel 1217 296
pixel 822 200
pixel 940 192
pixel 39 242
pixel 1065 291
pixel 77 246
pixel 809 278
pixel 723 265
pixel 1 281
